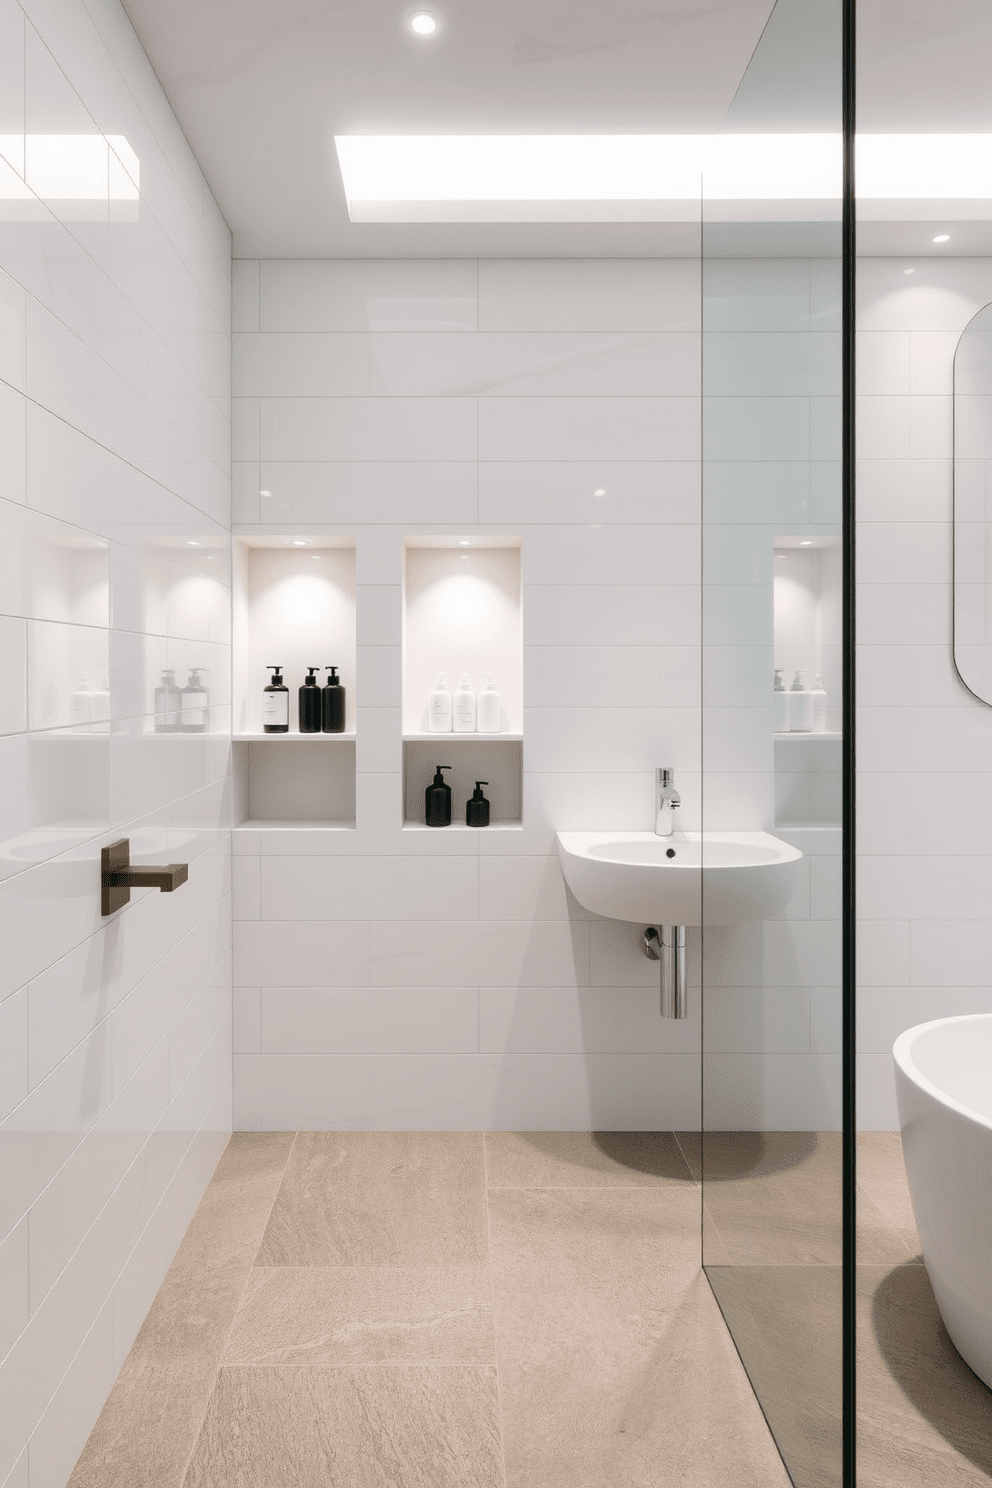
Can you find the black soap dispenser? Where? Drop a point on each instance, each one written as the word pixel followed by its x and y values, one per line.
pixel 275 704
pixel 333 703
pixel 477 810
pixel 310 704
pixel 437 800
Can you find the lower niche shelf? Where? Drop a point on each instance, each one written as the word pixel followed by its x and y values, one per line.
pixel 311 783
pixel 494 758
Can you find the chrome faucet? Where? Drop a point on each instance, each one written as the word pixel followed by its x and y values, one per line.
pixel 666 802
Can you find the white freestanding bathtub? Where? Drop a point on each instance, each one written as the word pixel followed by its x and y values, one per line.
pixel 944 1089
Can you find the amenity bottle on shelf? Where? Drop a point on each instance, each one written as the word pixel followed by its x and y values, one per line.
pixel 310 703
pixel 819 706
pixel 780 702
pixel 437 800
pixel 487 709
pixel 168 704
pixel 195 702
pixel 439 708
pixel 464 709
pixel 275 704
pixel 800 706
pixel 333 708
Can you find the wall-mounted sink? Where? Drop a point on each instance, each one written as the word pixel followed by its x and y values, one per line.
pixel 689 878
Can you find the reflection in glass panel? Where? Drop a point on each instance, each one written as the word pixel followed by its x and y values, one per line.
pixel 772 690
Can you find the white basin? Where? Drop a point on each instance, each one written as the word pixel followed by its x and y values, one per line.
pixel 690 878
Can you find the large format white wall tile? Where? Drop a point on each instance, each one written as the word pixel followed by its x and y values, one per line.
pixel 628 295
pixel 543 365
pixel 320 428
pixel 369 295
pixel 600 492
pixel 367 1020
pixel 382 1092
pixel 277 365
pixel 588 428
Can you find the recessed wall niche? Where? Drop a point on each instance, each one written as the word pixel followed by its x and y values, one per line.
pixel 462 616
pixel 807 628
pixel 294 605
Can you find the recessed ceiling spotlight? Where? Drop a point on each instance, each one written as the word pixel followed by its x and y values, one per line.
pixel 909 271
pixel 422 23
pixel 599 492
pixel 463 542
pixel 298 543
pixel 941 238
pixel 192 543
pixel 805 542
pixel 265 493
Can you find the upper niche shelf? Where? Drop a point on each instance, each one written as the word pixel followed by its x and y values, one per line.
pixel 291 738
pixel 294 604
pixel 461 616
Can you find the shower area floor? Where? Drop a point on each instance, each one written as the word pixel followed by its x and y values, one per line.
pixel 437 1310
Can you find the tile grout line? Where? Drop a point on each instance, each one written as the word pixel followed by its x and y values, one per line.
pixel 492 1299
pixel 209 1394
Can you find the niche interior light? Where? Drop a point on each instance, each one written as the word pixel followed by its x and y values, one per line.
pixel 941 238
pixel 422 23
pixel 645 177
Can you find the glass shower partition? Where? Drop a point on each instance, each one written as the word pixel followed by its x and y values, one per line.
pixel 772 688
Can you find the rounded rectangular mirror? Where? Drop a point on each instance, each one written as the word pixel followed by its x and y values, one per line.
pixel 973 505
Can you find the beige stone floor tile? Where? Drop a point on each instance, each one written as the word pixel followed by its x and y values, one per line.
pixel 315 1315
pixel 882 1173
pixel 924 1420
pixel 147 1428
pixel 786 1322
pixel 878 1244
pixel 547 1159
pixel 376 1427
pixel 691 1147
pixel 380 1199
pixel 775 1197
pixel 616 1370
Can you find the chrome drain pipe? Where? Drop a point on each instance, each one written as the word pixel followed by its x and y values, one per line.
pixel 667 946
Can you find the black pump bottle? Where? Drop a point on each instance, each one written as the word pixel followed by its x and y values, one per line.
pixel 310 704
pixel 333 704
pixel 477 810
pixel 437 800
pixel 275 704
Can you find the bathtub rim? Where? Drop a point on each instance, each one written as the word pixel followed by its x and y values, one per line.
pixel 902 1054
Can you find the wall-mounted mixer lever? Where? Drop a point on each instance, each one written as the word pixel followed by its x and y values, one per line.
pixel 118 877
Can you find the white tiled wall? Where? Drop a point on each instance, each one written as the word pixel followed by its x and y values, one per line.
pixel 416 979
pixel 402 979
pixel 115 1093
pixel 924 788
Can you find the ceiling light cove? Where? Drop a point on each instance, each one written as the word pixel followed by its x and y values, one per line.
pixel 653 177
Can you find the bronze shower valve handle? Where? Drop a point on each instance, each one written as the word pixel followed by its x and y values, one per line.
pixel 118 877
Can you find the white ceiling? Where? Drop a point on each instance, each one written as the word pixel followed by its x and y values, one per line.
pixel 262 86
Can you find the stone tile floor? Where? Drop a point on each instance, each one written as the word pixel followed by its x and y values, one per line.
pixel 527 1310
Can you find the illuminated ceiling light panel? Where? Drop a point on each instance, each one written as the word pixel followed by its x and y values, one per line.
pixel 645 177
pixel 70 167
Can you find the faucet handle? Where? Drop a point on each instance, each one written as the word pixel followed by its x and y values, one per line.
pixel 665 776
